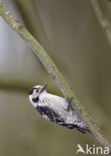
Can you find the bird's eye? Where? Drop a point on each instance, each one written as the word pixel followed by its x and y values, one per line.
pixel 31 91
pixel 37 90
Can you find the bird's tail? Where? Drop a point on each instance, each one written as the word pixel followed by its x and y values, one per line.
pixel 82 129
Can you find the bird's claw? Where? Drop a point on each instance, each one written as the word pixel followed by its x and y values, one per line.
pixel 69 99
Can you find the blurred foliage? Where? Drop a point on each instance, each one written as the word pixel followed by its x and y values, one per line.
pixel 70 32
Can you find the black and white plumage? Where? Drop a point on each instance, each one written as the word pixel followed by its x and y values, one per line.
pixel 55 108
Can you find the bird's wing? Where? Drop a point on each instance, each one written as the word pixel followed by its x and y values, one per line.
pixel 57 102
pixel 49 114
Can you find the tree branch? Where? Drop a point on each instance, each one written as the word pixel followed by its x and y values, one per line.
pixel 53 71
pixel 103 20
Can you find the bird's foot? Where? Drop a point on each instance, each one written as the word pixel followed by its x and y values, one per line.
pixel 69 101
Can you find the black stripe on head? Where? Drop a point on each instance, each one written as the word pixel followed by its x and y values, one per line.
pixel 35 99
pixel 31 90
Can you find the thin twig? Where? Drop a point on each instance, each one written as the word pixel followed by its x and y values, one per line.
pixel 53 71
pixel 103 20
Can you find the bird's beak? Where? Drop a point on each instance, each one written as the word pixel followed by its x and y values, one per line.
pixel 43 88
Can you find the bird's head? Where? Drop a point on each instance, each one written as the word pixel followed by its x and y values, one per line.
pixel 35 92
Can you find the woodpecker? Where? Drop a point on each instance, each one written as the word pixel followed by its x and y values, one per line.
pixel 55 108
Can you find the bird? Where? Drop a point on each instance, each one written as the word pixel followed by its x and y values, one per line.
pixel 55 108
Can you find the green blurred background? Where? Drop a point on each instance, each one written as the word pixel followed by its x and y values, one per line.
pixel 71 34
